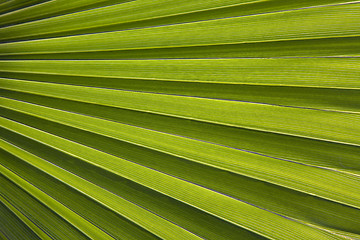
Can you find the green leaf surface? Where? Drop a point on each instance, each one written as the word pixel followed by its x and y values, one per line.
pixel 166 119
pixel 296 25
pixel 310 72
pixel 230 113
pixel 304 150
pixel 226 208
pixel 49 9
pixel 117 17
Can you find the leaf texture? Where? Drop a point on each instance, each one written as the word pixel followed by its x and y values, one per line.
pixel 235 119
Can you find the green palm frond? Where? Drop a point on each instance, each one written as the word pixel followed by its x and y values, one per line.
pixel 168 119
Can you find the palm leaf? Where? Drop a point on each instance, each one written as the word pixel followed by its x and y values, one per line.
pixel 234 119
